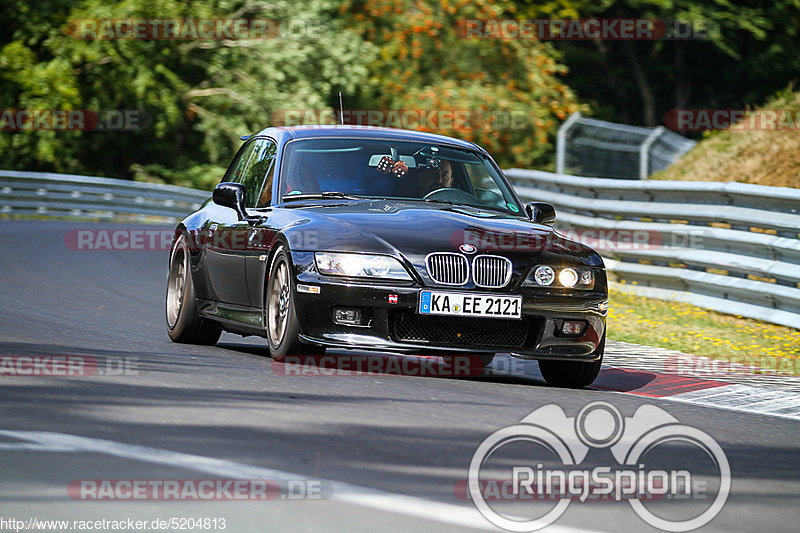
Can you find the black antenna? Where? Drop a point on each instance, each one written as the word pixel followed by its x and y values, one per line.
pixel 341 109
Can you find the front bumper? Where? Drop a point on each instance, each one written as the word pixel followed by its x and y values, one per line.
pixel 391 322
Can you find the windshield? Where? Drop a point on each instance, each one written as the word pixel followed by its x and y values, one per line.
pixel 393 169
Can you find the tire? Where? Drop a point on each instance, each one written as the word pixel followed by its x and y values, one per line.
pixel 184 324
pixel 280 317
pixel 573 374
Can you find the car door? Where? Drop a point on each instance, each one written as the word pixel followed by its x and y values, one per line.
pixel 228 236
pixel 260 239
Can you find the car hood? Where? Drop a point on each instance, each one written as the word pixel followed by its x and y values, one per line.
pixel 415 229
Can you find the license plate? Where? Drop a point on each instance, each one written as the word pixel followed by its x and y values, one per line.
pixel 466 304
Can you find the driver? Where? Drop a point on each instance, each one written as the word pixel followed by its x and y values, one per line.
pixel 436 178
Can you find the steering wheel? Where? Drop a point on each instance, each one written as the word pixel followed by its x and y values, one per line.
pixel 451 194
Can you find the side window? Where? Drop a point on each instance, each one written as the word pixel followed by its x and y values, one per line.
pixel 484 187
pixel 266 189
pixel 236 169
pixel 256 170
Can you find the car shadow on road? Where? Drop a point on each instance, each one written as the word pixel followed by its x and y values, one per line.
pixel 504 369
pixel 360 363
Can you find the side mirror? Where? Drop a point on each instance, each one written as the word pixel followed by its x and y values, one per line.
pixel 541 213
pixel 229 194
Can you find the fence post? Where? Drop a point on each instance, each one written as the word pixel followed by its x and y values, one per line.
pixel 561 141
pixel 644 152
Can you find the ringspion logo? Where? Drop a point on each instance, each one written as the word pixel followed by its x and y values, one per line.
pixel 556 475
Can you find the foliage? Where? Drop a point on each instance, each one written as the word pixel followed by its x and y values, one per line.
pixel 512 89
pixel 743 52
pixel 200 95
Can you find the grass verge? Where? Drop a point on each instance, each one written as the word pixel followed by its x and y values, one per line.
pixel 697 331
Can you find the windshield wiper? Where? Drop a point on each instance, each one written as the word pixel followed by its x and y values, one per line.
pixel 440 201
pixel 318 195
pixel 474 206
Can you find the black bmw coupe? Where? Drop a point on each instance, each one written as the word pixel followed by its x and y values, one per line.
pixel 393 240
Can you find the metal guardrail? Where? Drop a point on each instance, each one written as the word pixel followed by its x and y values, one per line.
pixel 730 247
pixel 65 195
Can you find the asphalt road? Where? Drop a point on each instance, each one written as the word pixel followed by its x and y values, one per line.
pixel 386 451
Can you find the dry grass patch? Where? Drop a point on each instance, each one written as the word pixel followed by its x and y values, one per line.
pixel 757 157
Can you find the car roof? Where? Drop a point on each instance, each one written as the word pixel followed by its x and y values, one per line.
pixel 287 133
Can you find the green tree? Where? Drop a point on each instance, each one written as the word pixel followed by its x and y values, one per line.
pixel 751 50
pixel 200 95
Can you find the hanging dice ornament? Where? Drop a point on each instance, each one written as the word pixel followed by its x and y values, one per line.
pixel 385 164
pixel 399 169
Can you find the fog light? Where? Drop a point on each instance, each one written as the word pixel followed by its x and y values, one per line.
pixel 347 316
pixel 573 327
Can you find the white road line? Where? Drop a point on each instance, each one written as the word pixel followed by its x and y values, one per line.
pixel 733 397
pixel 745 399
pixel 458 515
pixel 35 447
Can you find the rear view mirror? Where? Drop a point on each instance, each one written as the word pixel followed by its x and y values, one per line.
pixel 541 213
pixel 229 194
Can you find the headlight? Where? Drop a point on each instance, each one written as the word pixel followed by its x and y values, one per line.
pixel 567 278
pixel 544 275
pixel 360 266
